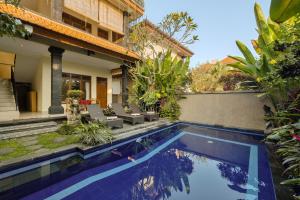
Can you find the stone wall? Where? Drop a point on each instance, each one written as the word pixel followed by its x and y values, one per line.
pixel 229 109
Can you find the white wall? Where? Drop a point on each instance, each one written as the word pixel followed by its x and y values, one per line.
pixel 42 81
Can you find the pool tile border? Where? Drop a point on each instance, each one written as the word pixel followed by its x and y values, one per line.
pixel 252 169
pixel 26 165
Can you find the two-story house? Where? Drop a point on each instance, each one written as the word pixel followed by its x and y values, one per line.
pixel 75 44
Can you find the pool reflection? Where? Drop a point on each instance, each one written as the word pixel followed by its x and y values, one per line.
pixel 166 172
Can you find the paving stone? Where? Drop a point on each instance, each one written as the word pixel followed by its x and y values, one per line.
pixel 30 143
pixel 59 139
pixel 42 151
pixel 25 139
pixel 6 150
pixel 35 147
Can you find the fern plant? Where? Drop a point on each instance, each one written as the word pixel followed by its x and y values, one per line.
pixel 94 133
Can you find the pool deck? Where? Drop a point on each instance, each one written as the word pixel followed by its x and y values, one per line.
pixel 127 131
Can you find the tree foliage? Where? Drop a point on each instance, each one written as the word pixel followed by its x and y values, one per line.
pixel 11 26
pixel 160 76
pixel 277 72
pixel 216 77
pixel 177 26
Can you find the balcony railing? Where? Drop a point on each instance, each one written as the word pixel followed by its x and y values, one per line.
pixel 140 3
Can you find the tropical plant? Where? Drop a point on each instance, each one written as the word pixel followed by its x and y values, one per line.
pixel 158 78
pixel 287 139
pixel 161 76
pixel 282 10
pixel 268 33
pixel 11 26
pixel 277 72
pixel 94 133
pixel 170 110
pixel 66 128
pixel 249 65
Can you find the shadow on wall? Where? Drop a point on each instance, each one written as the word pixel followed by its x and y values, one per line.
pixel 242 110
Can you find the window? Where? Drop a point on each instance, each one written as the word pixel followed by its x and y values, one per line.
pixel 76 82
pixel 103 33
pixel 116 37
pixel 77 23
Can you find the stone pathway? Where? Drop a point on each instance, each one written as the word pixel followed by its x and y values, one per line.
pixel 31 143
pixel 35 147
pixel 6 150
pixel 59 139
pixel 41 151
pixel 26 139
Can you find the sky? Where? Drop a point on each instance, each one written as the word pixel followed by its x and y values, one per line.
pixel 220 24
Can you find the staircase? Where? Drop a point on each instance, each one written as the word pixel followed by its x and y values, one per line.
pixel 8 109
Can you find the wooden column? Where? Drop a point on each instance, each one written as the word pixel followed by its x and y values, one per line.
pixel 57 9
pixel 56 80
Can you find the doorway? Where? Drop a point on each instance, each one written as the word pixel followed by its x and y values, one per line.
pixel 102 92
pixel 22 90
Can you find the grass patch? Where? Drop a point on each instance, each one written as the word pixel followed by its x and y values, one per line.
pixel 49 140
pixel 18 149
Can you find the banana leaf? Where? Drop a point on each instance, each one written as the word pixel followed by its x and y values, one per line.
pixel 282 10
pixel 246 52
pixel 263 27
pixel 239 59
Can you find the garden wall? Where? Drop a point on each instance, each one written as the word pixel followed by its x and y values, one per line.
pixel 229 109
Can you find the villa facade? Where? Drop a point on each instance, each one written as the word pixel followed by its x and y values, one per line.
pixel 74 44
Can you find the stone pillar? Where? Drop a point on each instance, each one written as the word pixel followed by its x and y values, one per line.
pixel 124 85
pixel 57 9
pixel 125 28
pixel 56 80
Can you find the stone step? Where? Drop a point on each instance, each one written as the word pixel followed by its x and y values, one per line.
pixel 12 100
pixel 5 92
pixel 8 104
pixel 7 108
pixel 27 133
pixel 5 87
pixel 5 84
pixel 7 96
pixel 27 127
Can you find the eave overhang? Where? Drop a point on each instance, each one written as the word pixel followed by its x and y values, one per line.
pixel 67 34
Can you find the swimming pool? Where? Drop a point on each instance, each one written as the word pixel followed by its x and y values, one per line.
pixel 182 161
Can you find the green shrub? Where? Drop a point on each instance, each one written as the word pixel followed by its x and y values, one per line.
pixel 94 133
pixel 67 129
pixel 171 110
pixel 74 94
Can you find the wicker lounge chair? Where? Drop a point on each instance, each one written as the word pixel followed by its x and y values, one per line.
pixel 96 113
pixel 131 118
pixel 148 115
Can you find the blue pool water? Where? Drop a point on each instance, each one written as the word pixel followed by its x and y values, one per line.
pixel 180 162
